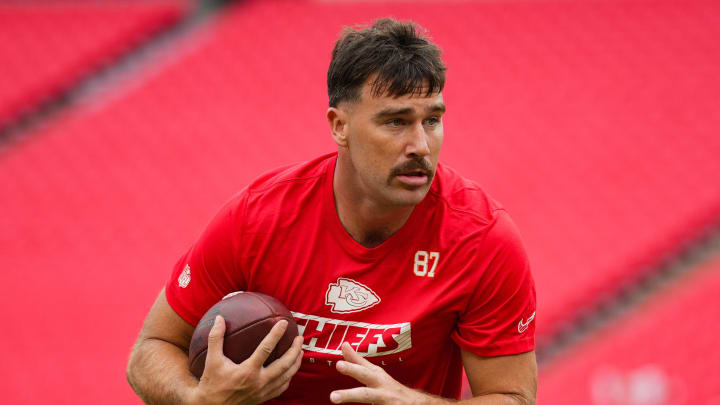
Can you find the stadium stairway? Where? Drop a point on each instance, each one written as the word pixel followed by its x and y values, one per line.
pixel 595 124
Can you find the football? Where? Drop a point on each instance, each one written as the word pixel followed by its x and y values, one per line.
pixel 249 316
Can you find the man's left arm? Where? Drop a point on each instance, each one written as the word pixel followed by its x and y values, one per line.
pixel 502 380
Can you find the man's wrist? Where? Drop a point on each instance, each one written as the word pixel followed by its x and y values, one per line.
pixel 193 396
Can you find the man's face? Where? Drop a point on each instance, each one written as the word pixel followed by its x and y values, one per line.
pixel 394 145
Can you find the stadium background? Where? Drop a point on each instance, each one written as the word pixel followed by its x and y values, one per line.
pixel 125 124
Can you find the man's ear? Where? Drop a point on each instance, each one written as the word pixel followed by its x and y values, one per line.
pixel 337 118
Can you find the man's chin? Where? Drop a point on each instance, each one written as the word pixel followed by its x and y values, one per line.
pixel 410 196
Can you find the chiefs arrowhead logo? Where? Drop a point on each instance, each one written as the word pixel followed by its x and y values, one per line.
pixel 348 295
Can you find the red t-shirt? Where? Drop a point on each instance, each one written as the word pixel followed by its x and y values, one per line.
pixel 454 276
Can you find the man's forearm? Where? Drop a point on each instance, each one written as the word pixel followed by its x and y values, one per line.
pixel 497 399
pixel 490 399
pixel 159 374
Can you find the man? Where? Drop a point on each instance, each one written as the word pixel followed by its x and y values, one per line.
pixel 398 270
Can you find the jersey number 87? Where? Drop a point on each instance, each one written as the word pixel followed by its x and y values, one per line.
pixel 424 261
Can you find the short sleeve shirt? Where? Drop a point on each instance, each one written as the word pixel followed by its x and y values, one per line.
pixel 455 276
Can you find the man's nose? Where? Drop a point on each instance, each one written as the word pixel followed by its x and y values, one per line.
pixel 417 143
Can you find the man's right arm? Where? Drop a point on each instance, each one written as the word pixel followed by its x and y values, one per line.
pixel 158 368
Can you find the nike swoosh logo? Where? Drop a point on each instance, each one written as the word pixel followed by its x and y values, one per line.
pixel 522 326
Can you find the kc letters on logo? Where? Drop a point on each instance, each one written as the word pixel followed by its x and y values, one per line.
pixel 348 295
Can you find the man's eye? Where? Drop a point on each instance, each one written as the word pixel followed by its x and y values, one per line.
pixel 395 123
pixel 432 121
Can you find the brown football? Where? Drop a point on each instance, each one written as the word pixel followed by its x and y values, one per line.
pixel 249 316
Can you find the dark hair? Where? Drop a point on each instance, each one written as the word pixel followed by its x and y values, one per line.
pixel 404 60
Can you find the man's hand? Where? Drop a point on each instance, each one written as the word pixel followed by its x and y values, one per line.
pixel 380 388
pixel 224 382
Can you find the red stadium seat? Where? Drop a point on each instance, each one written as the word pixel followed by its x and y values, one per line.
pixel 46 48
pixel 664 352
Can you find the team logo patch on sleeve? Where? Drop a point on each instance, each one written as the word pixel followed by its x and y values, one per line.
pixel 184 278
pixel 348 295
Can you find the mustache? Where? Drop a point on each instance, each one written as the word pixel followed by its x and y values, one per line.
pixel 410 165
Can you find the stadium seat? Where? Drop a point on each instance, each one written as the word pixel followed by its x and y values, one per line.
pixel 663 352
pixel 49 47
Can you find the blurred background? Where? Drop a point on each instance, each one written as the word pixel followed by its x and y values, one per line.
pixel 124 125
